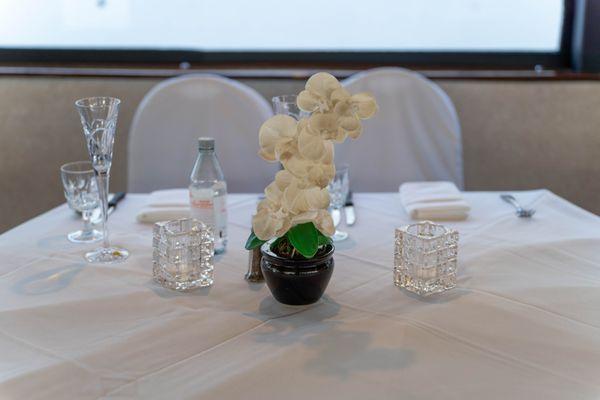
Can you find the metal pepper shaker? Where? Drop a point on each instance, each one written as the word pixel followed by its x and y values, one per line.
pixel 254 273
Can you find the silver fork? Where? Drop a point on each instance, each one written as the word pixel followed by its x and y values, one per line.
pixel 521 212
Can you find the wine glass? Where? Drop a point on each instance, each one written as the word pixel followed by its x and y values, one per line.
pixel 286 104
pixel 81 192
pixel 338 192
pixel 99 120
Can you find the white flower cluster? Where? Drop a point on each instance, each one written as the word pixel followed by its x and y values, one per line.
pixel 305 149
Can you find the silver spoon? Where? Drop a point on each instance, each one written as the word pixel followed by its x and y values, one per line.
pixel 521 212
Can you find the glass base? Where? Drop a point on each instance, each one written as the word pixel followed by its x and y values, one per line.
pixel 206 280
pixel 85 236
pixel 339 236
pixel 424 287
pixel 107 255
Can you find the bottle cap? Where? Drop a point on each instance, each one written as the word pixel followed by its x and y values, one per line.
pixel 206 143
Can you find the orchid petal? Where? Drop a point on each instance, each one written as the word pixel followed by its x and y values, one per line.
pixel 308 216
pixel 324 223
pixel 283 179
pixel 329 152
pixel 307 101
pixel 265 225
pixel 310 146
pixel 340 95
pixel 355 134
pixel 316 198
pixel 349 123
pixel 364 105
pixel 296 165
pixel 272 132
pixel 321 175
pixel 323 124
pixel 322 84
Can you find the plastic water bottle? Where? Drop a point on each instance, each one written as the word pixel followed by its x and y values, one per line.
pixel 208 192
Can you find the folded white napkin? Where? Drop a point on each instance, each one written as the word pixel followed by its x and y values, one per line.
pixel 433 201
pixel 164 205
pixel 150 215
pixel 169 198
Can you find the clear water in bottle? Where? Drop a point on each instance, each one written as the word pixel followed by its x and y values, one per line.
pixel 208 192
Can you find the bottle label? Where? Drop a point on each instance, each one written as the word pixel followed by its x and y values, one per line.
pixel 220 215
pixel 202 206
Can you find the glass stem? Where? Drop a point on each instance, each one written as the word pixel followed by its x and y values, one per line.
pixel 87 225
pixel 102 178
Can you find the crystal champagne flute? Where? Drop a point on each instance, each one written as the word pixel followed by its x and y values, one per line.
pixel 99 119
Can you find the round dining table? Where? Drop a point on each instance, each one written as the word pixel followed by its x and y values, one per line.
pixel 523 321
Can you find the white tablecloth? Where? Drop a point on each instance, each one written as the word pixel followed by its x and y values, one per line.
pixel 523 323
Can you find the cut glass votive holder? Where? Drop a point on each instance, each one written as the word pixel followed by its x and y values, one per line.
pixel 425 258
pixel 183 254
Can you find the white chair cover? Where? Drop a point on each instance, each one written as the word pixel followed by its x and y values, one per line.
pixel 415 136
pixel 163 140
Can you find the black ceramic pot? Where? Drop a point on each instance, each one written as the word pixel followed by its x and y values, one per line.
pixel 296 282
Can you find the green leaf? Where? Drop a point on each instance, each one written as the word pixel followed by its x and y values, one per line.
pixel 324 240
pixel 253 241
pixel 305 239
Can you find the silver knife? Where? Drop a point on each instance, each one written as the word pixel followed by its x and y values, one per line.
pixel 335 216
pixel 349 210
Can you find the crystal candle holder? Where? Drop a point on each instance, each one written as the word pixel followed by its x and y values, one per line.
pixel 425 258
pixel 183 254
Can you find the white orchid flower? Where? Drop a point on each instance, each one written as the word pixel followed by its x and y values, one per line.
pixel 275 135
pixel 270 221
pixel 348 121
pixel 299 197
pixel 321 218
pixel 287 198
pixel 321 174
pixel 317 93
pixel 339 95
pixel 328 154
pixel 327 126
pixel 274 193
pixel 310 144
pixel 351 109
pixel 364 105
pixel 305 149
pixel 324 223
pixel 296 165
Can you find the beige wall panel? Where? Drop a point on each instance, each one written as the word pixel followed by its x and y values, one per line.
pixel 515 134
pixel 526 135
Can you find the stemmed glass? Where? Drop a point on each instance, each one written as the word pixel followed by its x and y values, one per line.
pixel 286 104
pixel 81 192
pixel 338 192
pixel 99 119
